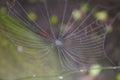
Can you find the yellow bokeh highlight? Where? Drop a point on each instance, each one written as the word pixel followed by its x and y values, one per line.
pixel 101 15
pixel 32 16
pixel 109 29
pixel 54 19
pixel 94 70
pixel 76 14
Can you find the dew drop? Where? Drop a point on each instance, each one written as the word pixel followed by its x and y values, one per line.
pixel 58 43
pixel 60 77
pixel 20 48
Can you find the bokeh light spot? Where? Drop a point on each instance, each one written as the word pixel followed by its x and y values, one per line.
pixel 76 14
pixel 85 6
pixel 54 19
pixel 109 29
pixel 101 15
pixel 32 16
pixel 95 70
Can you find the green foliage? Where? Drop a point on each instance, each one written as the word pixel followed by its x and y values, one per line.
pixel 19 44
pixel 118 77
pixel 3 10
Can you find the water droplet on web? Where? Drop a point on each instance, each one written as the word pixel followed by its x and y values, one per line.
pixel 109 29
pixel 61 77
pixel 20 48
pixel 34 75
pixel 58 43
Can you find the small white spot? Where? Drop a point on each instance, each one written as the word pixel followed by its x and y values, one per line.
pixel 114 67
pixel 34 75
pixel 58 43
pixel 20 48
pixel 81 70
pixel 60 77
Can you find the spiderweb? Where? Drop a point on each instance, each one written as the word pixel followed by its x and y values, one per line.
pixel 71 42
